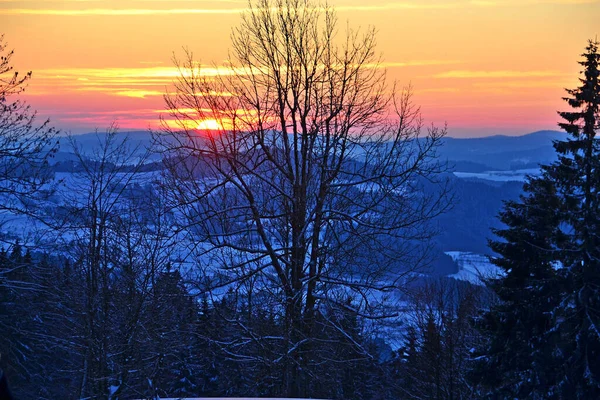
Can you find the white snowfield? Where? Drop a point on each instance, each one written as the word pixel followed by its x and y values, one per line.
pixel 474 268
pixel 519 175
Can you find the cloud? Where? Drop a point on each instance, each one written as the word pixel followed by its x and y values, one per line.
pixel 125 92
pixel 187 10
pixel 390 6
pixel 150 79
pixel 139 94
pixel 133 82
pixel 48 1
pixel 415 63
pixel 399 6
pixel 187 1
pixel 521 84
pixel 184 11
pixel 439 90
pixel 143 74
pixel 125 82
pixel 501 3
pixel 465 74
pixel 117 11
pixel 154 74
pixel 138 112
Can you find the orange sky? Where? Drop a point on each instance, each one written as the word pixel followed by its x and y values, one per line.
pixel 484 67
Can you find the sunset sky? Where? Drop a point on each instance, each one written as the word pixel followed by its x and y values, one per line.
pixel 484 67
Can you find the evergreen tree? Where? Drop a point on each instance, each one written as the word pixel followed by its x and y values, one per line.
pixel 544 333
pixel 171 342
pixel 439 339
pixel 577 175
pixel 32 332
pixel 516 356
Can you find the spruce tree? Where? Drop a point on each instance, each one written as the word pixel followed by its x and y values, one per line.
pixel 577 176
pixel 516 362
pixel 544 339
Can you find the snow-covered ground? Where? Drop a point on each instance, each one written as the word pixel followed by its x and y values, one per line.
pixel 500 176
pixel 474 268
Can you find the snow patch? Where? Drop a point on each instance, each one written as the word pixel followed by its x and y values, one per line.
pixel 472 267
pixel 519 175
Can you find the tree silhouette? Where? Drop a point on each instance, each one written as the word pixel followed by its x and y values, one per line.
pixel 312 186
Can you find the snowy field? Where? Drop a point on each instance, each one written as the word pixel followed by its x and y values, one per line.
pixel 474 268
pixel 500 176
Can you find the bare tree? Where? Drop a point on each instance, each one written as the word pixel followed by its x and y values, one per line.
pixel 315 185
pixel 25 145
pixel 88 318
pixel 111 225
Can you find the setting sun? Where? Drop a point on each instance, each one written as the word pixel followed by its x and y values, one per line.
pixel 209 125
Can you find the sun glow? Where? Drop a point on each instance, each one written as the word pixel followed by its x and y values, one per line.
pixel 209 125
pixel 456 78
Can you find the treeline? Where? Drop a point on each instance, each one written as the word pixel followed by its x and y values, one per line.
pixel 166 342
pixel 144 344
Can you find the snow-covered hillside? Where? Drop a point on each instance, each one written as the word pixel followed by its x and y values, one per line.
pixel 500 176
pixel 474 268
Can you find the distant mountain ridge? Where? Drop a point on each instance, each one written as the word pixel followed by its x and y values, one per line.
pixel 89 142
pixel 498 152
pixel 501 152
pixel 467 226
pixel 499 143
